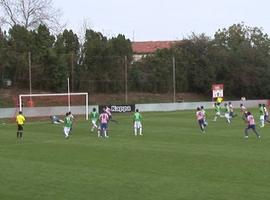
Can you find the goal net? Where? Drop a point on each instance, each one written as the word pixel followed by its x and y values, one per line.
pixel 42 105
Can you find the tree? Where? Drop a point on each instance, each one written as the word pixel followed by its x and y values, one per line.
pixel 244 61
pixel 30 13
pixel 3 56
pixel 67 45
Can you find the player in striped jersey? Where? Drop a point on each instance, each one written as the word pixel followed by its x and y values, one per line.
pixel 104 120
pixel 204 114
pixel 200 119
pixel 251 125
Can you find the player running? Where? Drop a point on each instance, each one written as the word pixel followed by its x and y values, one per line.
pixel 204 114
pixel 251 125
pixel 200 119
pixel 72 118
pixel 227 113
pixel 261 110
pixel 266 115
pixel 243 110
pixel 104 120
pixel 232 115
pixel 217 110
pixel 67 125
pixel 137 121
pixel 94 118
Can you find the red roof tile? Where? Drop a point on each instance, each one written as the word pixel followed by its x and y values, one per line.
pixel 151 46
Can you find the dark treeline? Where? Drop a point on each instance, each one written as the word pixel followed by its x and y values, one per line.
pixel 238 57
pixel 97 65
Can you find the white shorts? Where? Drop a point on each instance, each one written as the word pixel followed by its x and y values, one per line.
pixel 261 117
pixel 137 125
pixel 218 113
pixel 94 122
pixel 66 130
pixel 227 115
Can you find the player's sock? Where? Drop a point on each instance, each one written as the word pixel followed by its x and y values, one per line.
pixel 18 134
pixel 262 123
pixel 21 135
pixel 105 133
pixel 257 134
pixel 140 131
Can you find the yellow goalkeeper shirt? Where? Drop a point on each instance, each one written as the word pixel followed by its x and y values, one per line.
pixel 20 119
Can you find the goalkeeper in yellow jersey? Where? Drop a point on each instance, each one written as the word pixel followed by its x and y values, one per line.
pixel 20 119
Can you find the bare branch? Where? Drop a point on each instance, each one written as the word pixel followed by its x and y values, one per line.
pixel 30 13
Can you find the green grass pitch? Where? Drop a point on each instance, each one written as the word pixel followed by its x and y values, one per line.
pixel 172 161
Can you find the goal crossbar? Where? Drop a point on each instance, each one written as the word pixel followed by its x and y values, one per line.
pixel 57 94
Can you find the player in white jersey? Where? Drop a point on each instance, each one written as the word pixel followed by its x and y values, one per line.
pixel 200 119
pixel 251 125
pixel 266 115
pixel 104 120
pixel 243 110
pixel 204 114
pixel 231 110
pixel 227 113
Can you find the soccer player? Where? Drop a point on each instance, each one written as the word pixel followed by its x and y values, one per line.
pixel 55 119
pixel 94 118
pixel 251 125
pixel 104 120
pixel 261 110
pixel 108 111
pixel 67 125
pixel 200 119
pixel 227 113
pixel 231 110
pixel 20 119
pixel 72 118
pixel 217 109
pixel 243 110
pixel 137 121
pixel 266 115
pixel 204 114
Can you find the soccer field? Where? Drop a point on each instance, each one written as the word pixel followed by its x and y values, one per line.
pixel 173 160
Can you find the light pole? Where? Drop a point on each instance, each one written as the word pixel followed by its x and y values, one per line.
pixel 173 65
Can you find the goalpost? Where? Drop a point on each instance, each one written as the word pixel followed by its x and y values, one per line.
pixel 66 96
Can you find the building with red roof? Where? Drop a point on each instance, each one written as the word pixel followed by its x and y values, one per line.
pixel 141 49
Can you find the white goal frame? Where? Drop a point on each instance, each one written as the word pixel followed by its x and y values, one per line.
pixel 57 94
